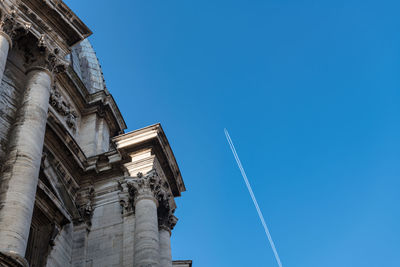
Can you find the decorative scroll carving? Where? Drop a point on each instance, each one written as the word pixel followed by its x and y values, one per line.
pixel 43 55
pixel 150 184
pixel 126 204
pixel 125 199
pixel 166 218
pixel 11 24
pixel 167 221
pixel 63 108
pixel 86 209
pixel 50 57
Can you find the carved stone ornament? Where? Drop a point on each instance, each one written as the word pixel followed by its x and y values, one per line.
pixel 152 185
pixel 44 56
pixel 58 102
pixel 149 184
pixel 86 209
pixel 165 214
pixel 125 199
pixel 126 203
pixel 11 24
pixel 167 221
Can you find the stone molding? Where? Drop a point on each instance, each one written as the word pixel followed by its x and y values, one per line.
pixel 149 186
pixel 58 102
pixel 46 57
pixel 165 213
pixel 86 208
pixel 12 26
pixel 167 222
pixel 146 186
pixel 12 259
pixel 125 199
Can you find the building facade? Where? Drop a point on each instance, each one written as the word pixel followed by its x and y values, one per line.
pixel 75 190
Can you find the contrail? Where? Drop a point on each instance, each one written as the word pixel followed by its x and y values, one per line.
pixel 228 138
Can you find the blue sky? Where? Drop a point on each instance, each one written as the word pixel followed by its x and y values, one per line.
pixel 309 91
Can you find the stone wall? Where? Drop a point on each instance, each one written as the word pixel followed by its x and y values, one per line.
pixel 106 240
pixel 74 189
pixel 61 252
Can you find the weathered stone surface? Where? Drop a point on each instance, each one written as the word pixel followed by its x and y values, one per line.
pixel 10 94
pixel 61 252
pixel 19 174
pixel 70 189
pixel 4 47
pixel 165 248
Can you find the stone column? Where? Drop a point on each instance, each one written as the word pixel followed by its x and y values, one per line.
pixel 165 248
pixel 5 45
pixel 146 247
pixel 166 222
pixel 10 27
pixel 19 176
pixel 20 170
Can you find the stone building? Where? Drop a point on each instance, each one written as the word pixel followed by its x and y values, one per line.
pixel 75 190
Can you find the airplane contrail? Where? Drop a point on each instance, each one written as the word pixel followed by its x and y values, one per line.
pixel 228 138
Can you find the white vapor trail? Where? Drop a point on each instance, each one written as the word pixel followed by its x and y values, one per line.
pixel 228 138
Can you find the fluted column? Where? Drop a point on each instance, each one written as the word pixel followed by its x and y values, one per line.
pixel 146 247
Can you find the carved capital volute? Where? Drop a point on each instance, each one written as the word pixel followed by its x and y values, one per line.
pixel 11 25
pixel 125 199
pixel 145 186
pixel 167 222
pixel 165 213
pixel 46 58
pixel 85 207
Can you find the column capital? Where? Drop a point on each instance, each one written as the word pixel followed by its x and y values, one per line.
pixel 167 222
pixel 47 57
pixel 12 26
pixel 146 186
pixel 166 218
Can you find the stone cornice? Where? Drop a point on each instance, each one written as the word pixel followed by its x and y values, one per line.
pixel 55 19
pixel 153 137
pixel 183 263
pixel 43 17
pixel 57 136
pixel 100 102
pixel 11 25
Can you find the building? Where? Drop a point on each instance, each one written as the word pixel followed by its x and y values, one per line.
pixel 75 190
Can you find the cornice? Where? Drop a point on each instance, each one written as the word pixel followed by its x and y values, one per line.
pixel 101 102
pixel 59 138
pixel 55 19
pixel 153 137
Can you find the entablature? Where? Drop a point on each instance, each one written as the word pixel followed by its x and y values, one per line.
pixel 52 18
pixel 146 149
pixel 102 103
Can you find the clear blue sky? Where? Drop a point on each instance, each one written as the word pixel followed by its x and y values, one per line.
pixel 310 92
